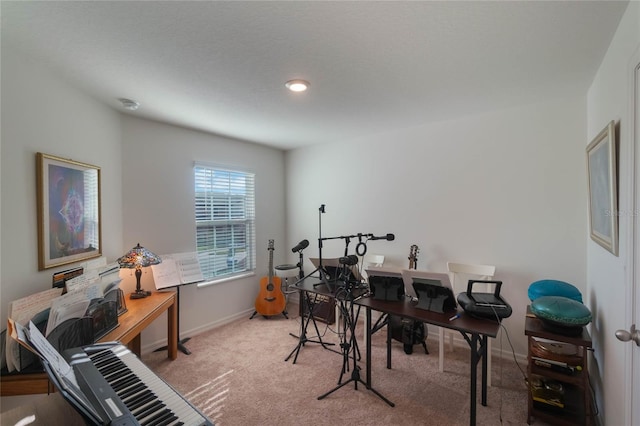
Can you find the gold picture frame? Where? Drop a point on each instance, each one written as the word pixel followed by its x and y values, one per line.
pixel 603 189
pixel 69 218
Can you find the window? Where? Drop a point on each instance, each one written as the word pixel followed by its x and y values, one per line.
pixel 225 221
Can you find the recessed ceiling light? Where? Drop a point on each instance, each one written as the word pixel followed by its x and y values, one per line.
pixel 297 85
pixel 129 104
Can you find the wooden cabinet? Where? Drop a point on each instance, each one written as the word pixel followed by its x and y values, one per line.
pixel 546 374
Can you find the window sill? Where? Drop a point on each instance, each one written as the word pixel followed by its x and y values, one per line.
pixel 226 279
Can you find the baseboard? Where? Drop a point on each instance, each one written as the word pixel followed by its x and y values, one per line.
pixel 150 347
pixel 292 306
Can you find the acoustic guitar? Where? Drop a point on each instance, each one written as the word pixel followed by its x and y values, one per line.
pixel 270 300
pixel 413 257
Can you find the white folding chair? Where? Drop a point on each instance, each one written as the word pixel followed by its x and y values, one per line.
pixel 369 260
pixel 460 274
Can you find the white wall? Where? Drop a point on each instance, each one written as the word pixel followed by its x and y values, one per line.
pixel 158 195
pixel 506 188
pixel 41 112
pixel 608 276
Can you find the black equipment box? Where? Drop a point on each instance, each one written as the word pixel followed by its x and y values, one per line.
pixel 323 307
pixel 484 305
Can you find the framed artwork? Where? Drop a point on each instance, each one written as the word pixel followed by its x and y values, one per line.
pixel 603 189
pixel 69 226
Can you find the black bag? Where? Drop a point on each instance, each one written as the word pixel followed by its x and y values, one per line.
pixel 408 332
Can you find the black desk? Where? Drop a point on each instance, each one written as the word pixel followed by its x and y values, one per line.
pixel 475 331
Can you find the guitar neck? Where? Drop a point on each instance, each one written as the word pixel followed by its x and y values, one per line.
pixel 413 257
pixel 271 248
pixel 270 265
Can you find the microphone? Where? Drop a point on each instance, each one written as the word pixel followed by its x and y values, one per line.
pixel 350 260
pixel 388 237
pixel 301 246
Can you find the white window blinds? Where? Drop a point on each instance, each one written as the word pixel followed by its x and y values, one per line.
pixel 91 208
pixel 225 221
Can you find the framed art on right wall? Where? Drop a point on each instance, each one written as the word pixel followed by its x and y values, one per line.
pixel 603 189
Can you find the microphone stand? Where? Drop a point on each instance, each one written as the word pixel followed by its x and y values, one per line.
pixel 320 269
pixel 300 264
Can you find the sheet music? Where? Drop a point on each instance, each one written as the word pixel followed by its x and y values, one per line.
pixel 165 274
pixel 70 305
pixel 176 269
pixel 89 277
pixel 21 311
pixel 33 340
pixel 19 334
pixel 188 267
pixel 105 274
pixel 48 352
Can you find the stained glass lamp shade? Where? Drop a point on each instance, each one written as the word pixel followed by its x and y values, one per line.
pixel 138 258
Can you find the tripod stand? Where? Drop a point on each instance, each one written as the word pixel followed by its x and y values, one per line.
pixel 307 317
pixel 349 345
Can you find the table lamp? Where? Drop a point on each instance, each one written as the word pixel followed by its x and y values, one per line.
pixel 137 258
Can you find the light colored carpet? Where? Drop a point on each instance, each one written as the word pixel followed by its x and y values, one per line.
pixel 237 375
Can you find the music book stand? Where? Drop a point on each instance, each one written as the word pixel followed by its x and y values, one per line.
pixel 432 289
pixel 332 270
pixel 433 297
pixel 386 284
pixel 408 276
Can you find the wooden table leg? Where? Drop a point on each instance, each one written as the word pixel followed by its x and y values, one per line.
pixel 135 345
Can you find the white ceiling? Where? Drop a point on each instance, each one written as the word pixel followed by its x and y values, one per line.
pixel 374 67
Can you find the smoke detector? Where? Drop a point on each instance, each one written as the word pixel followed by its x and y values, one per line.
pixel 129 104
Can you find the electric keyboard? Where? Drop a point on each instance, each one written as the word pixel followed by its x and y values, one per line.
pixel 113 387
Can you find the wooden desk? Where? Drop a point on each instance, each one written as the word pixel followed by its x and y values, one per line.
pixel 475 331
pixel 141 313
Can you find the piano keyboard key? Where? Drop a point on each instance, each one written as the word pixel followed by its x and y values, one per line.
pixel 149 399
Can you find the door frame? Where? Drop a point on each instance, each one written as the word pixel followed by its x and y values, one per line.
pixel 632 291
